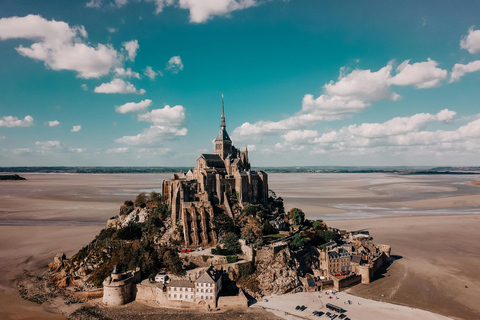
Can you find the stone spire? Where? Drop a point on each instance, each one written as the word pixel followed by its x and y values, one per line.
pixel 222 124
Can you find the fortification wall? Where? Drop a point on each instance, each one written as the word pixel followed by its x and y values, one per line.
pixel 342 284
pixel 233 302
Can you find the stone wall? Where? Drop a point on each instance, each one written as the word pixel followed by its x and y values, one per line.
pixel 232 302
pixel 342 284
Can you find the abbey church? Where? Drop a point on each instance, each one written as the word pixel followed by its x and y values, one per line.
pixel 192 196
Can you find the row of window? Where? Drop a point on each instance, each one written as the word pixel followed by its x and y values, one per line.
pixel 206 290
pixel 191 297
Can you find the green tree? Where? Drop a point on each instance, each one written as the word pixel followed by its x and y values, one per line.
pixel 329 236
pixel 173 262
pixel 162 211
pixel 231 243
pixel 141 200
pixel 318 224
pixel 252 231
pixel 156 199
pixel 298 216
pixel 298 241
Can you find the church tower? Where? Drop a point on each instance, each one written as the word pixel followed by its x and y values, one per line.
pixel 223 144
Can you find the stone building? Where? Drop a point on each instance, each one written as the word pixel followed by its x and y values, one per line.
pixel 193 196
pixel 119 288
pixel 205 290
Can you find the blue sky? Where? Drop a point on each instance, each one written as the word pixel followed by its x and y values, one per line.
pixel 139 82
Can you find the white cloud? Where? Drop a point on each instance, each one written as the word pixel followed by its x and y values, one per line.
pixel 76 128
pixel 363 85
pixel 351 93
pixel 120 3
pixel 60 46
pixel 471 42
pixel 84 87
pixel 134 107
pixel 175 64
pixel 153 135
pixel 149 72
pixel 299 136
pixel 421 74
pixel 128 73
pixel 160 4
pixel 49 145
pixel 94 4
pixel 167 125
pixel 3 137
pixel 76 150
pixel 53 123
pixel 131 47
pixel 118 86
pixel 384 134
pixel 201 11
pixel 459 69
pixel 10 122
pixel 172 116
pixel 111 30
pixel 18 151
pixel 117 150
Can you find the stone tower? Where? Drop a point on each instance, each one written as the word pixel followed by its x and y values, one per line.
pixel 223 144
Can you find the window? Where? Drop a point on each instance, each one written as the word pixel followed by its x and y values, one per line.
pixel 180 296
pixel 175 296
pixel 180 289
pixel 210 297
pixel 201 297
pixel 169 295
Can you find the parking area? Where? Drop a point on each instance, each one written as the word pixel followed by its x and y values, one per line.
pixel 313 305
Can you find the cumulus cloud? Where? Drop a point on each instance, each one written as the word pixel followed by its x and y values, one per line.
pixel 49 145
pixel 53 123
pixel 84 87
pixel 351 93
pixel 421 74
pixel 76 150
pixel 471 42
pixel 94 4
pixel 201 11
pixel 118 86
pixel 76 128
pixel 120 3
pixel 175 64
pixel 459 70
pixel 388 133
pixel 160 4
pixel 60 46
pixel 149 72
pixel 3 137
pixel 10 122
pixel 167 125
pixel 117 150
pixel 18 151
pixel 131 47
pixel 126 73
pixel 134 107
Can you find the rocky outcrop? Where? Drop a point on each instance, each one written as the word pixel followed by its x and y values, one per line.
pixel 278 274
pixel 138 215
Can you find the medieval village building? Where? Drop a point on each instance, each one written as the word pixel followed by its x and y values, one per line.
pixel 192 196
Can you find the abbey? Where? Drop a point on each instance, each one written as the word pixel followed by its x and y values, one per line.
pixel 193 196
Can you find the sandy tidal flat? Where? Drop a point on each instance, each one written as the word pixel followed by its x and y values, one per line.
pixel 438 254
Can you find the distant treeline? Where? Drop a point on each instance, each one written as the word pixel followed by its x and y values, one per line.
pixel 11 177
pixel 306 169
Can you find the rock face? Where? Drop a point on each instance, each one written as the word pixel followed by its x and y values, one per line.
pixel 278 274
pixel 138 215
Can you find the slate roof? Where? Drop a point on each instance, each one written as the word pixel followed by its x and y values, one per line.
pixel 213 160
pixel 222 135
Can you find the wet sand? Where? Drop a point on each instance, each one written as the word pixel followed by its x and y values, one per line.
pixel 51 213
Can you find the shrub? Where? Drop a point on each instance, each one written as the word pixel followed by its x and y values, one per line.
pixel 232 258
